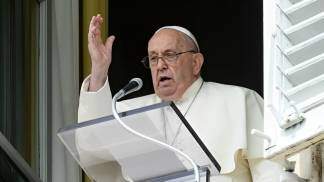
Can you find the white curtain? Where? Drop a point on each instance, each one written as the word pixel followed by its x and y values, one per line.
pixel 65 84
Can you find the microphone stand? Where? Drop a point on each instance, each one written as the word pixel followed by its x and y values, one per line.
pixel 114 110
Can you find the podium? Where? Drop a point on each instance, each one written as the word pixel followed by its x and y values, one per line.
pixel 99 144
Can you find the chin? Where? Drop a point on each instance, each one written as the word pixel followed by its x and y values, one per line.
pixel 166 96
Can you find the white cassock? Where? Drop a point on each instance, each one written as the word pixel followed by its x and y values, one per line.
pixel 221 115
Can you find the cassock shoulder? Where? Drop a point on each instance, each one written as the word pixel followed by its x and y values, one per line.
pixel 227 90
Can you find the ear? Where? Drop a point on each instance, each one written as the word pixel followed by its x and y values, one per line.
pixel 197 63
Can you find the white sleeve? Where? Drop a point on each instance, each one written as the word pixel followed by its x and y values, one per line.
pixel 94 104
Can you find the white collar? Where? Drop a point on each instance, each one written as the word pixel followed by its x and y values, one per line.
pixel 191 91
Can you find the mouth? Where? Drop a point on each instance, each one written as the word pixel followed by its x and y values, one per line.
pixel 164 80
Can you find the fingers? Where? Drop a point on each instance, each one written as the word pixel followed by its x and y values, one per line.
pixel 94 28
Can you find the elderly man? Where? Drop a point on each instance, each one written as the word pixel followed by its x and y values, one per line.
pixel 222 115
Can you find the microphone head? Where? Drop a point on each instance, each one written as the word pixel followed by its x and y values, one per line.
pixel 138 81
pixel 132 86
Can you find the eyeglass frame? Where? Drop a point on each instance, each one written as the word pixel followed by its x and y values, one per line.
pixel 147 63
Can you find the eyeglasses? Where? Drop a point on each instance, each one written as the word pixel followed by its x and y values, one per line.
pixel 168 57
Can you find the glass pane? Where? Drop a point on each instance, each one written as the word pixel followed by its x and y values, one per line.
pixel 18 76
pixel 96 143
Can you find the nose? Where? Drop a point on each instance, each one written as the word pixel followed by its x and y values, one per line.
pixel 161 64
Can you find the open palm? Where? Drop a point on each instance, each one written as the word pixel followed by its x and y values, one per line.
pixel 100 52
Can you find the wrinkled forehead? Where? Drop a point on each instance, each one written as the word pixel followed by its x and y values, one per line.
pixel 165 40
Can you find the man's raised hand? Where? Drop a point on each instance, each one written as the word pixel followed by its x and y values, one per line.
pixel 100 54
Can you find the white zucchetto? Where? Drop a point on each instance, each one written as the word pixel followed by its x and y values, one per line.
pixel 182 30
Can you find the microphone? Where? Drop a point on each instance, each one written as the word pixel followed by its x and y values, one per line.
pixel 132 86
